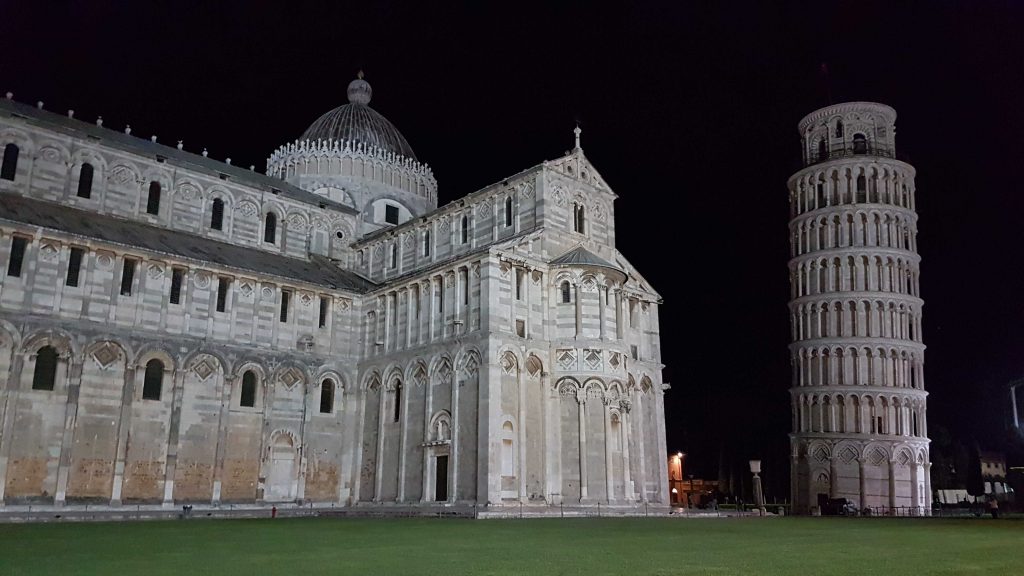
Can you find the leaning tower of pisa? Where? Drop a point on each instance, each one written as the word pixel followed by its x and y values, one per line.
pixel 859 422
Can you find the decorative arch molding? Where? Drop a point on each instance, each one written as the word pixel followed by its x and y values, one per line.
pixel 105 352
pixel 154 351
pixel 62 341
pixel 418 373
pixel 440 429
pixel 441 369
pixel 534 366
pixel 20 138
pixel 53 151
pixel 372 380
pixel 568 385
pixel 288 433
pixel 468 361
pixel 9 335
pixel 205 364
pixel 509 363
pixel 291 375
pixel 394 377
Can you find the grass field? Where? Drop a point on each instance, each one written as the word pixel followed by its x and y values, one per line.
pixel 791 546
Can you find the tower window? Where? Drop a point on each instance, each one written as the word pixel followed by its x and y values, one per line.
pixel 508 211
pixel 327 396
pixel 324 308
pixel 398 401
pixel 566 292
pixel 154 380
pixel 45 375
pixel 128 276
pixel 217 214
pixel 18 245
pixel 391 214
pixel 270 228
pixel 579 218
pixel 839 128
pixel 860 144
pixel 153 201
pixel 822 149
pixel 426 243
pixel 286 297
pixel 247 398
pixel 861 189
pixel 85 181
pixel 177 274
pixel 465 229
pixel 10 165
pixel 222 293
pixel 74 266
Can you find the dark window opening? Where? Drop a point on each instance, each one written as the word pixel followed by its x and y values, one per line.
pixel 861 189
pixel 839 128
pixel 286 297
pixel 127 276
pixel 519 284
pixel 248 396
pixel 633 352
pixel 45 375
pixel 398 400
pixel 10 165
pixel 860 144
pixel 154 380
pixel 578 218
pixel 324 307
pixel 74 266
pixel 426 243
pixel 822 149
pixel 465 229
pixel 394 256
pixel 153 202
pixel 327 396
pixel 217 214
pixel 508 211
pixel 18 245
pixel 465 286
pixel 85 181
pixel 177 275
pixel 391 214
pixel 566 293
pixel 521 328
pixel 270 228
pixel 222 293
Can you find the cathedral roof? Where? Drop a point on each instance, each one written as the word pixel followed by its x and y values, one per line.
pixel 358 123
pixel 320 271
pixel 580 256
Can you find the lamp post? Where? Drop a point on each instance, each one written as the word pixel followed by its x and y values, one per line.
pixel 755 469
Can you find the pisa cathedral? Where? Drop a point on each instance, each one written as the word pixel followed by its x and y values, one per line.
pixel 175 329
pixel 860 429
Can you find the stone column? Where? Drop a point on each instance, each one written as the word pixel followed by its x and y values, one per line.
pixel 640 444
pixel 222 436
pixel 428 403
pixel 582 400
pixel 172 437
pixel 378 476
pixel 123 425
pixel 915 496
pixel 409 386
pixel 618 314
pixel 609 475
pixel 892 484
pixel 601 299
pixel 627 482
pixel 928 487
pixel 833 480
pixel 863 484
pixel 72 379
pixel 579 312
pixel 453 459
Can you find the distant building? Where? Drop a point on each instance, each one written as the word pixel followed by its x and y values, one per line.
pixel 858 402
pixel 179 329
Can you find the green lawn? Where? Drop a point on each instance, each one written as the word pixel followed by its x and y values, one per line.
pixel 585 546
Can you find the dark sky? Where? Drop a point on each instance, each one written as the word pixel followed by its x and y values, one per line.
pixel 689 110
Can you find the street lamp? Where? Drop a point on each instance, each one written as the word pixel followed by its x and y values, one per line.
pixel 755 469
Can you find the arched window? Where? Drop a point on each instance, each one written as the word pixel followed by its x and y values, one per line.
pixel 45 375
pixel 398 400
pixel 579 218
pixel 862 189
pixel 860 144
pixel 327 396
pixel 10 165
pixel 248 396
pixel 508 453
pixel 465 229
pixel 426 243
pixel 154 380
pixel 217 214
pixel 85 181
pixel 566 292
pixel 839 128
pixel 508 211
pixel 270 228
pixel 153 202
pixel 822 149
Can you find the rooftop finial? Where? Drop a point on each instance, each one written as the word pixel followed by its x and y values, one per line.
pixel 359 91
pixel 577 132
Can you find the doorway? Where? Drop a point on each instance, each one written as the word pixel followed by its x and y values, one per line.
pixel 441 479
pixel 281 477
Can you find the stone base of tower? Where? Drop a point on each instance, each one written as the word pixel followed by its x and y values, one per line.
pixel 877 476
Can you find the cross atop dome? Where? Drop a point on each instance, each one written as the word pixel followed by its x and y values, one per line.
pixel 577 132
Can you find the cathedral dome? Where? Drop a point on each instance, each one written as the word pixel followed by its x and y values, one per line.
pixel 356 122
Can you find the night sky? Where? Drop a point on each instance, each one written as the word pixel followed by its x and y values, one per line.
pixel 688 110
